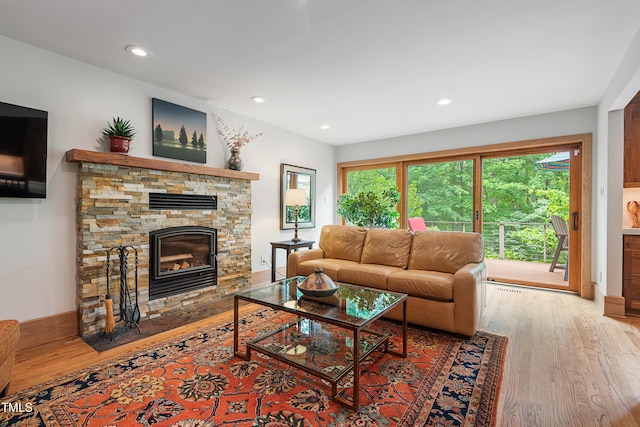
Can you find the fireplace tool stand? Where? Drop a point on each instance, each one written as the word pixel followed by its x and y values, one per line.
pixel 129 313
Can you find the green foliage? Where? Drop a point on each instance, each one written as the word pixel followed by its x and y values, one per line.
pixel 442 191
pixel 371 199
pixel 119 127
pixel 304 213
pixel 183 139
pixel 514 190
pixel 371 179
pixel 413 199
pixel 178 152
pixel 370 208
pixel 158 133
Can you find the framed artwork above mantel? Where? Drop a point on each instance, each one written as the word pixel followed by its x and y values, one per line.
pixel 179 132
pixel 301 178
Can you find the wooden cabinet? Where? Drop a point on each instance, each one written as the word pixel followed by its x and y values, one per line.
pixel 631 274
pixel 632 143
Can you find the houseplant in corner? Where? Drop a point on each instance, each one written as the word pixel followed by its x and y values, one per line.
pixel 120 133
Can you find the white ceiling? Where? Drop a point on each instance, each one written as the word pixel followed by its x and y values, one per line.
pixel 371 69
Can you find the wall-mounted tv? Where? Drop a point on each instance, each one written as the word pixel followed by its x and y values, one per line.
pixel 23 151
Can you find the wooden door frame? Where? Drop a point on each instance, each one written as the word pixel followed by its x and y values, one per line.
pixel 580 183
pixel 575 196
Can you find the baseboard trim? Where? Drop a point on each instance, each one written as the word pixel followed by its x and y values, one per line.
pixel 614 306
pixel 65 325
pixel 47 329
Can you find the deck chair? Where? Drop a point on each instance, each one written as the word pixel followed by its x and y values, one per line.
pixel 417 224
pixel 562 233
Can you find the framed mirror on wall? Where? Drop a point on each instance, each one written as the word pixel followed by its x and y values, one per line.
pixel 296 177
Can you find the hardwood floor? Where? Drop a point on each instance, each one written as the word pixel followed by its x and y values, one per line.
pixel 566 364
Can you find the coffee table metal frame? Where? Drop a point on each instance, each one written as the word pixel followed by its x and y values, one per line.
pixel 356 327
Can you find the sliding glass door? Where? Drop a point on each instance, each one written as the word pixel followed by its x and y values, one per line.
pixel 520 194
pixel 508 192
pixel 442 194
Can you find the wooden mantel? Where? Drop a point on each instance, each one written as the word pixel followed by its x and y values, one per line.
pixel 78 156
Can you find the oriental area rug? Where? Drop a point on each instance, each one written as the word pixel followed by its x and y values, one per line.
pixel 196 381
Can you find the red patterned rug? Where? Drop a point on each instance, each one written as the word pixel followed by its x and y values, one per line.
pixel 195 380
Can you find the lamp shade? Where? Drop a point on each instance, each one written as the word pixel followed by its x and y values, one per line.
pixel 295 197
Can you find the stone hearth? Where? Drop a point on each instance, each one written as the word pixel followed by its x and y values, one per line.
pixel 113 210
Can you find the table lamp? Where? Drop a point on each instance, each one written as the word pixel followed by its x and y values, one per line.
pixel 295 197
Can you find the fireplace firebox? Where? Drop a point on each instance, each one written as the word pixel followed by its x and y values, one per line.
pixel 181 259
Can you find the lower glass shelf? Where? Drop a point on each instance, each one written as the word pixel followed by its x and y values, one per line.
pixel 323 349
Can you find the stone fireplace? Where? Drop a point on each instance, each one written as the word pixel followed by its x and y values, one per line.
pixel 114 209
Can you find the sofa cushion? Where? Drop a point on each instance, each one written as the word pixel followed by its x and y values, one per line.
pixel 342 242
pixel 432 285
pixel 445 251
pixel 387 247
pixel 329 266
pixel 369 275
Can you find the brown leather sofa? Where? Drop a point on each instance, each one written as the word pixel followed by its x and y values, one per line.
pixel 9 336
pixel 442 272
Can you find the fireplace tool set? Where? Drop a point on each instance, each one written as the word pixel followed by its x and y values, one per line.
pixel 129 309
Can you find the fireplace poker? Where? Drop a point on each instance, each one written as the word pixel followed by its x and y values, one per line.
pixel 124 269
pixel 124 287
pixel 136 309
pixel 110 321
pixel 128 315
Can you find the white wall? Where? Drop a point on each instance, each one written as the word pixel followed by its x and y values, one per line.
pixel 37 237
pixel 570 122
pixel 608 176
pixel 264 155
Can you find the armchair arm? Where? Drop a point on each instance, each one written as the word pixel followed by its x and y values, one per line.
pixel 9 337
pixel 469 297
pixel 296 258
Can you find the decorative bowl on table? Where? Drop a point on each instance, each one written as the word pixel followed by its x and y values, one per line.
pixel 318 284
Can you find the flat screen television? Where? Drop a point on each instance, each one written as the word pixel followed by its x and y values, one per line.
pixel 23 151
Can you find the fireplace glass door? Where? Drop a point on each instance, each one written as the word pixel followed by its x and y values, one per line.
pixel 182 259
pixel 184 253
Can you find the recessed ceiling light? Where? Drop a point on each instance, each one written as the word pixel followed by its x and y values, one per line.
pixel 444 101
pixel 325 127
pixel 257 99
pixel 137 50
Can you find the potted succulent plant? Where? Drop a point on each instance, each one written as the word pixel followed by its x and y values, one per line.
pixel 120 133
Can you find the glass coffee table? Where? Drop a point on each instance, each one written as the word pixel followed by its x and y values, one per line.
pixel 319 338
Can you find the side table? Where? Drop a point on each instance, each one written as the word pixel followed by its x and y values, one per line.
pixel 289 246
